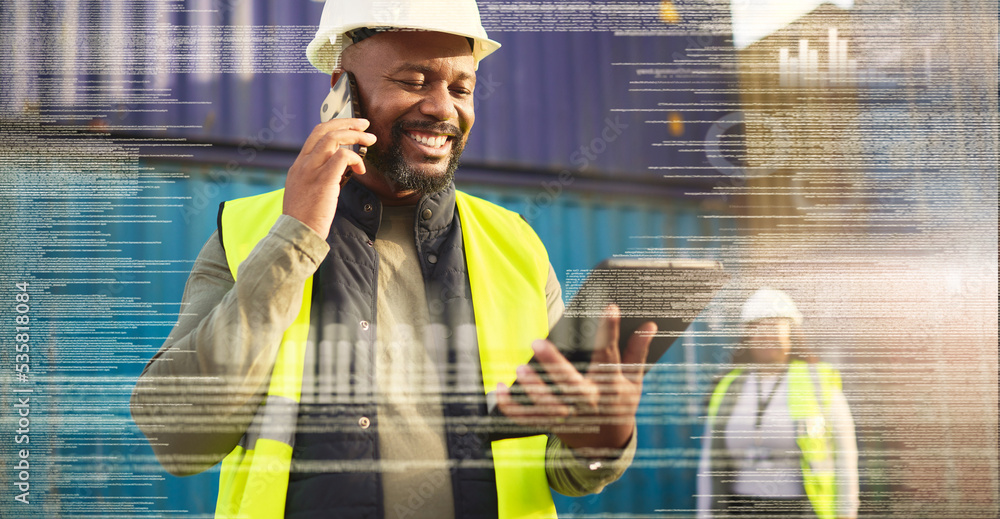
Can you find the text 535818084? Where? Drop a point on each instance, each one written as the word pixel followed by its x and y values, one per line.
pixel 22 332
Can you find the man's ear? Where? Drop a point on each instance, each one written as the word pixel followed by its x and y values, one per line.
pixel 334 77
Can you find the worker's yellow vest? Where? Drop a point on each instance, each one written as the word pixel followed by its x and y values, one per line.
pixel 813 436
pixel 508 269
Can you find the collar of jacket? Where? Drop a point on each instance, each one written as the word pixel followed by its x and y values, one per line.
pixel 435 212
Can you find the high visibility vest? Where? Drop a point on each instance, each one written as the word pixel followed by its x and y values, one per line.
pixel 508 269
pixel 812 433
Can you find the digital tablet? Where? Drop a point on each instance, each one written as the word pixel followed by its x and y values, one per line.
pixel 671 293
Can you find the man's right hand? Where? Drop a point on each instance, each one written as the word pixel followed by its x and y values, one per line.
pixel 312 186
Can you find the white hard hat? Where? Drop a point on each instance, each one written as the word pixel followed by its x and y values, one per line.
pixel 769 302
pixel 459 17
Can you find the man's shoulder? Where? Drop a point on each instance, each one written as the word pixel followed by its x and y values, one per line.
pixel 485 206
pixel 261 200
pixel 246 220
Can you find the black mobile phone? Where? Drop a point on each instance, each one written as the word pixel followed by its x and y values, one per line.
pixel 343 102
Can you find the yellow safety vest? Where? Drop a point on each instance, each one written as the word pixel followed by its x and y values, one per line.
pixel 508 269
pixel 812 435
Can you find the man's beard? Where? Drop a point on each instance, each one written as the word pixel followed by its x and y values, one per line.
pixel 399 174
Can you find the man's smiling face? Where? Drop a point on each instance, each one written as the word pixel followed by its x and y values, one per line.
pixel 416 89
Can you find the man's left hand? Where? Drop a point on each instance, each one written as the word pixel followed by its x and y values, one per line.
pixel 591 413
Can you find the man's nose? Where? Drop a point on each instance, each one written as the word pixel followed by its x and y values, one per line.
pixel 439 104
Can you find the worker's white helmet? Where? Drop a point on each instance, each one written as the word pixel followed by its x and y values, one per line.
pixel 342 18
pixel 769 302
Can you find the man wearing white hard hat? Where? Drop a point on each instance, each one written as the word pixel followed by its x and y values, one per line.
pixel 779 440
pixel 339 337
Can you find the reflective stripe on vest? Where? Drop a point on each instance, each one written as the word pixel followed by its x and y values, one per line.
pixel 508 269
pixel 812 433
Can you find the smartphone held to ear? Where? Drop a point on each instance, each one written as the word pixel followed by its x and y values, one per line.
pixel 343 102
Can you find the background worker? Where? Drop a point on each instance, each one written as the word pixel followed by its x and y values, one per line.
pixel 779 438
pixel 336 340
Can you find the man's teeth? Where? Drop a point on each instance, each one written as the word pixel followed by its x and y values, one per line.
pixel 434 142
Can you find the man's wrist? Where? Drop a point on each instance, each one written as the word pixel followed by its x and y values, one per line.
pixel 573 474
pixel 596 457
pixel 303 237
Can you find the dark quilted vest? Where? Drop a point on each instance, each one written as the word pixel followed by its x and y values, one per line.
pixel 335 457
